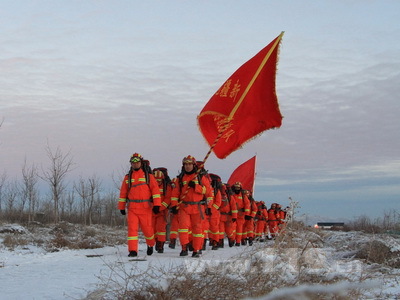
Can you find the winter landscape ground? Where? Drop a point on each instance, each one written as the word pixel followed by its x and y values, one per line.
pixel 68 261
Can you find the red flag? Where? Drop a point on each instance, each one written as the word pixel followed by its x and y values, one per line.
pixel 246 174
pixel 245 105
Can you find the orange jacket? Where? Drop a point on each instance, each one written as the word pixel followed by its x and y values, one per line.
pixel 141 196
pixel 190 202
pixel 272 215
pixel 242 205
pixel 228 206
pixel 253 208
pixel 165 197
pixel 216 204
pixel 262 213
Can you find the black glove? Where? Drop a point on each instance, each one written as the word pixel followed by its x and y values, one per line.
pixel 208 211
pixel 233 220
pixel 248 217
pixel 192 184
pixel 122 212
pixel 156 209
pixel 174 210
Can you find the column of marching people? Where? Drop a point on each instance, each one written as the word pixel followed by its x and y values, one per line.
pixel 195 208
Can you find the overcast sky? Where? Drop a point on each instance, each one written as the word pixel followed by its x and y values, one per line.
pixel 105 79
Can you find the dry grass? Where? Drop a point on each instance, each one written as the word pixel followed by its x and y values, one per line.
pixel 296 261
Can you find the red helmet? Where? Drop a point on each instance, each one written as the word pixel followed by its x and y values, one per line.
pixel 238 184
pixel 158 174
pixel 189 160
pixel 136 157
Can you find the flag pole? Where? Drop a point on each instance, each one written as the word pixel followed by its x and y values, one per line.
pixel 220 133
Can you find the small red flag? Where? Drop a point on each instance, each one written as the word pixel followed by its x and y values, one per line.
pixel 245 174
pixel 245 105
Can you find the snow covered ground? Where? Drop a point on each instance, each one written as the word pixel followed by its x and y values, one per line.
pixel 32 272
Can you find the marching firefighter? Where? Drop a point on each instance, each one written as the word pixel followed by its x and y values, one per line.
pixel 173 220
pixel 215 216
pixel 160 219
pixel 273 220
pixel 261 221
pixel 228 217
pixel 139 199
pixel 249 222
pixel 242 210
pixel 189 194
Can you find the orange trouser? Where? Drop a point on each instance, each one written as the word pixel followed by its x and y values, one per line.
pixel 226 227
pixel 273 227
pixel 194 223
pixel 160 226
pixel 239 230
pixel 261 227
pixel 213 231
pixel 249 228
pixel 146 225
pixel 173 230
pixel 206 226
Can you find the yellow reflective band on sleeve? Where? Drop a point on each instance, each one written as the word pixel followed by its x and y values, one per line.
pixel 122 200
pixel 215 206
pixel 235 211
pixel 210 199
pixel 156 196
pixel 174 198
pixel 247 210
pixel 164 204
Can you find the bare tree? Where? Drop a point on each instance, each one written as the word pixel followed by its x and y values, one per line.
pixel 3 179
pixel 29 188
pixel 87 190
pixel 60 165
pixel 12 192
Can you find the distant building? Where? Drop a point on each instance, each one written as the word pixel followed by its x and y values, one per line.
pixel 328 225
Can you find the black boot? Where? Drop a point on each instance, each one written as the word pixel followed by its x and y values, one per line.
pixel 132 254
pixel 221 243
pixel 214 244
pixel 250 241
pixel 157 245
pixel 196 254
pixel 172 243
pixel 184 251
pixel 244 242
pixel 161 247
pixel 149 250
pixel 204 244
pixel 231 242
pixel 190 246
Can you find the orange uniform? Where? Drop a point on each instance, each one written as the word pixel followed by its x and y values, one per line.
pixel 273 220
pixel 242 210
pixel 215 217
pixel 139 194
pixel 228 211
pixel 261 220
pixel 160 219
pixel 249 223
pixel 193 194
